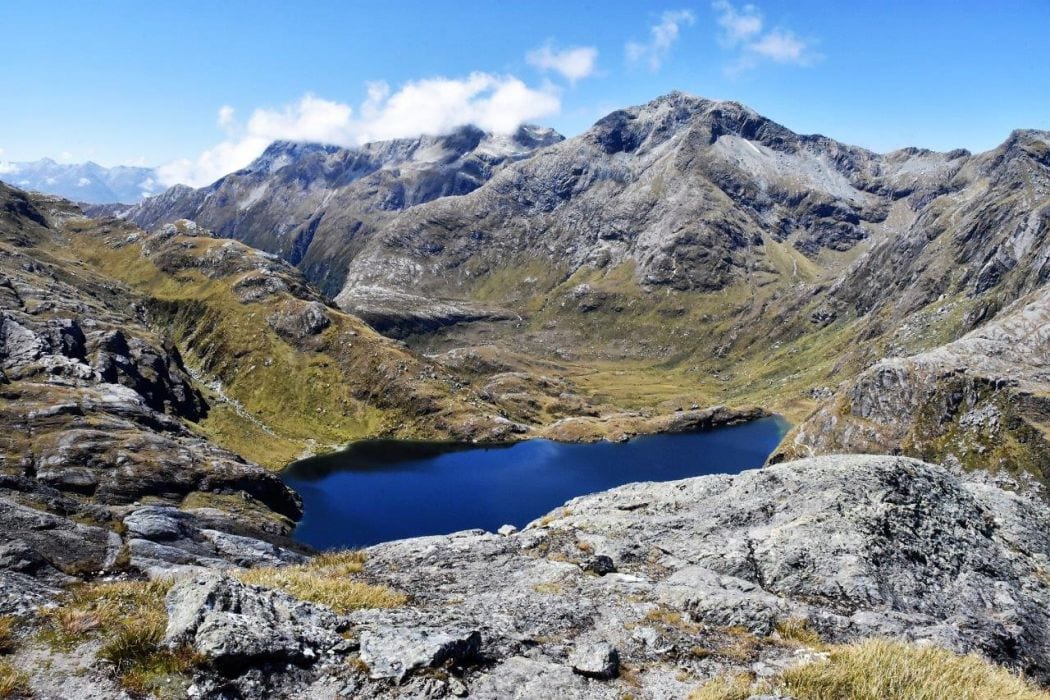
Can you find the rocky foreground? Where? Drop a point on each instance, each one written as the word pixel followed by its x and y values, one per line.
pixel 648 590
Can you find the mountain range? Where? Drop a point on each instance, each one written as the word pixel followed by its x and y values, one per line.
pixel 685 251
pixel 89 182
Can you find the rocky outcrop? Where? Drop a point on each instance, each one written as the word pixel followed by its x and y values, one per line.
pixel 95 417
pixel 165 540
pixel 709 572
pixel 392 653
pixel 979 401
pixel 397 314
pixel 237 626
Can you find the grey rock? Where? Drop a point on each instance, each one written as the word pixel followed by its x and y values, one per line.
pixel 249 551
pixel 506 530
pixel 521 677
pixel 316 193
pixel 955 403
pixel 63 544
pixel 236 625
pixel 859 546
pixel 397 652
pixel 457 688
pixel 298 320
pixel 726 601
pixel 156 523
pixel 601 661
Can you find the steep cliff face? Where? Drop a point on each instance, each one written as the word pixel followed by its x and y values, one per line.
pixel 698 196
pixel 686 189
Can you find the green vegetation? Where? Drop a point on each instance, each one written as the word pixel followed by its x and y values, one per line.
pixel 278 397
pixel 327 579
pixel 129 619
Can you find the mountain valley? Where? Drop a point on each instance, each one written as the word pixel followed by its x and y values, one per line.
pixel 682 265
pixel 683 252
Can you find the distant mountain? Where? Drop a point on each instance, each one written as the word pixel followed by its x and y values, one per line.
pixel 315 204
pixel 83 182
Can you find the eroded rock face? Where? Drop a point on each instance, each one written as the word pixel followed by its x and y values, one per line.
pixel 95 412
pixel 298 320
pixel 601 661
pixel 237 626
pixel 977 401
pixel 164 541
pixel 395 653
pixel 308 201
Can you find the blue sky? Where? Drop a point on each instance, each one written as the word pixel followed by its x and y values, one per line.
pixel 200 85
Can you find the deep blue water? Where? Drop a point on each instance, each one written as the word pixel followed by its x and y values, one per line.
pixel 382 490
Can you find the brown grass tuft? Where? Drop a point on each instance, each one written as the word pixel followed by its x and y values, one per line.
pixel 13 682
pixel 876 669
pixel 797 629
pixel 327 580
pixel 734 687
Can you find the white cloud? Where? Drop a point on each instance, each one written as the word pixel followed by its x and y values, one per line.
pixel 574 63
pixel 430 106
pixel 83 182
pixel 737 26
pixel 662 37
pixel 782 47
pixel 742 32
pixel 6 167
pixel 225 118
pixel 148 186
pixel 66 156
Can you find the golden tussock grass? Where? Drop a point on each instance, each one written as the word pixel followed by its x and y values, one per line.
pixel 877 669
pixel 13 682
pixel 327 580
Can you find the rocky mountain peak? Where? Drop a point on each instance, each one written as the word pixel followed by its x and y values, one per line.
pixel 532 136
pixel 281 153
pixel 647 126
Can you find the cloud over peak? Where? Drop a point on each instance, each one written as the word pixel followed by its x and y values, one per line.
pixel 497 103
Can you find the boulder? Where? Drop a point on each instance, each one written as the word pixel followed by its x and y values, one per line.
pixel 601 661
pixel 599 564
pixel 236 625
pixel 157 523
pixel 297 320
pixel 395 652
